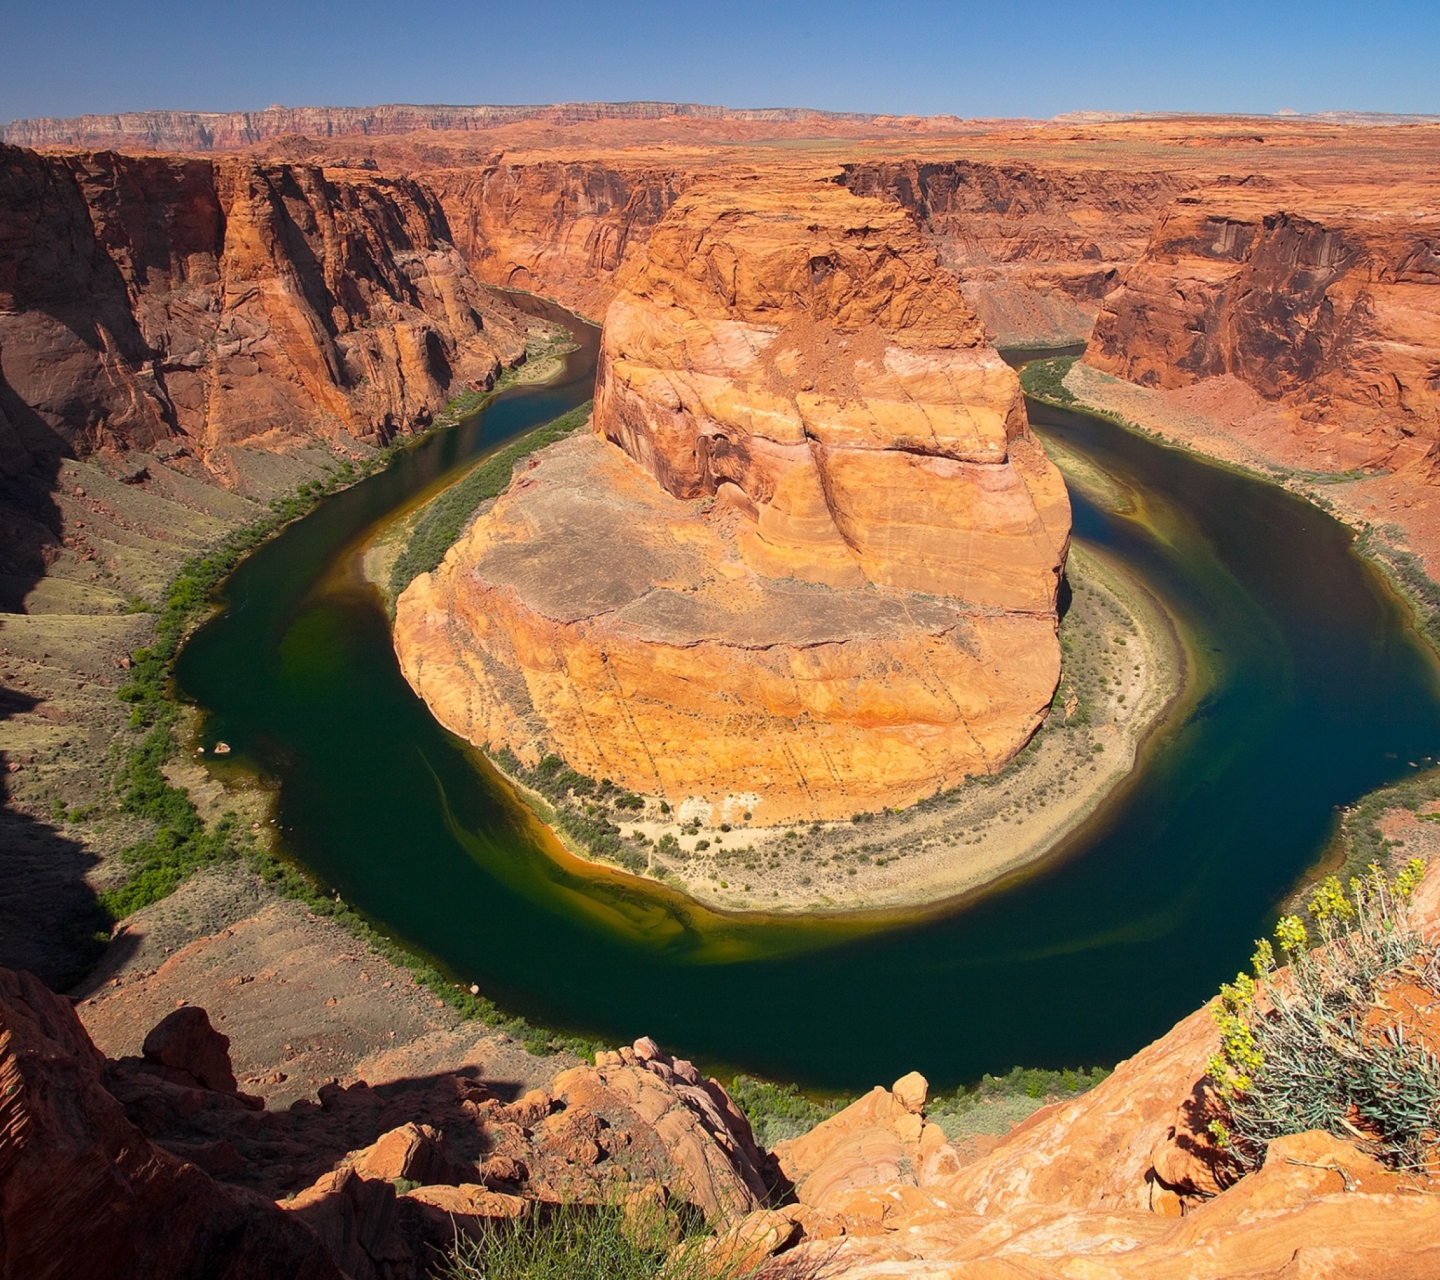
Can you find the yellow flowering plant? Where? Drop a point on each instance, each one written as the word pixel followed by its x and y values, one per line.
pixel 1294 1050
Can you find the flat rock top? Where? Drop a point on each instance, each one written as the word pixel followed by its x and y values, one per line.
pixel 585 533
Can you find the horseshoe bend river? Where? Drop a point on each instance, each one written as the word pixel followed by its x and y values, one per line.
pixel 1316 690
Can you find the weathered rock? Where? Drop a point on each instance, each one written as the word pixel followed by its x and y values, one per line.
pixel 190 1051
pixel 415 1152
pixel 1322 301
pixel 691 1138
pixel 856 431
pixel 804 346
pixel 229 303
pixel 741 1249
pixel 910 1091
pixel 358 1219
pixel 881 1141
pixel 83 1193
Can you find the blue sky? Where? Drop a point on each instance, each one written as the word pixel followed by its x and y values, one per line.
pixel 64 57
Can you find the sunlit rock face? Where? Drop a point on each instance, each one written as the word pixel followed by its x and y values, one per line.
pixel 818 573
pixel 803 347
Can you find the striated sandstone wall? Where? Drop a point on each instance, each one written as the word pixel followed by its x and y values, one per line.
pixel 801 351
pixel 227 303
pixel 1037 247
pixel 1326 304
pixel 559 228
pixel 819 573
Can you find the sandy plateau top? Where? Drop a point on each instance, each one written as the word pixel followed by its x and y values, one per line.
pixel 585 534
pixel 591 612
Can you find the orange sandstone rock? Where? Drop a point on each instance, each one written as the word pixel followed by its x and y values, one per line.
pixel 804 346
pixel 823 579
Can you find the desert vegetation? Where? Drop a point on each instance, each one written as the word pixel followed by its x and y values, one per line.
pixel 1341 1040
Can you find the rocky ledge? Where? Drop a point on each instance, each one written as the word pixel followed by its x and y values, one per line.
pixel 817 575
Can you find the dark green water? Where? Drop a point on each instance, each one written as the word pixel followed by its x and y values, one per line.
pixel 1318 692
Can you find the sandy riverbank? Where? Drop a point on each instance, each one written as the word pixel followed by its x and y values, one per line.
pixel 1124 667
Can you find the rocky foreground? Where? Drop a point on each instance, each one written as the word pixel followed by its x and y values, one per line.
pixel 158 1166
pixel 809 568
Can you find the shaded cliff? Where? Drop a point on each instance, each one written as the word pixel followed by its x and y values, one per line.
pixel 207 305
pixel 1327 305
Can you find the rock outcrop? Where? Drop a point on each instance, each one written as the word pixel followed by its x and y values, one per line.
pixel 203 306
pixel 156 1169
pixel 819 573
pixel 1327 304
pixel 562 228
pixel 84 1193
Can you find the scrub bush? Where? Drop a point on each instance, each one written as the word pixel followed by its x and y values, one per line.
pixel 1301 1049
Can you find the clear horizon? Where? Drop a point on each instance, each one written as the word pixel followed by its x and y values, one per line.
pixel 913 57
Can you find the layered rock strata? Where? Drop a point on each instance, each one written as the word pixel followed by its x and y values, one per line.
pixel 1324 304
pixel 212 305
pixel 819 573
pixel 1036 247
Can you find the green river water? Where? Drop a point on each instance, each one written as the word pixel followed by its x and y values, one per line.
pixel 1316 691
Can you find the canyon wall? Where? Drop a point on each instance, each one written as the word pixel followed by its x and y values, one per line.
pixel 817 575
pixel 202 306
pixel 1325 304
pixel 559 228
pixel 1037 247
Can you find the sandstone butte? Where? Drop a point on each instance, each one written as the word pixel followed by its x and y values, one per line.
pixel 808 563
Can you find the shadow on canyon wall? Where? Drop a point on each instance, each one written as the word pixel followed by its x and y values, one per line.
pixel 51 921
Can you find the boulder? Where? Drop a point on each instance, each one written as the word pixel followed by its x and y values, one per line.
pixel 190 1051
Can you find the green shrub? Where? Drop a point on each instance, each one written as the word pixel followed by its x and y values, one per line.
pixel 1045 379
pixel 444 519
pixel 588 1242
pixel 780 1111
pixel 1296 1052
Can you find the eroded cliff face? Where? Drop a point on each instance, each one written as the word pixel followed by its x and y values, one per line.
pixel 803 351
pixel 564 229
pixel 203 306
pixel 818 573
pixel 1327 305
pixel 1037 248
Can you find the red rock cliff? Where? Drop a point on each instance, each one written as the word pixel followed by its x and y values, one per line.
pixel 1328 304
pixel 818 574
pixel 228 303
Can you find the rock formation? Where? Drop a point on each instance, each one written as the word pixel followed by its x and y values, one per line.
pixel 142 1169
pixel 1037 247
pixel 208 305
pixel 819 573
pixel 1325 303
pixel 564 229
pixel 231 130
pixel 83 1192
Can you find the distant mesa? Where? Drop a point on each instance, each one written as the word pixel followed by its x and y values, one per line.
pixel 231 130
pixel 808 562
